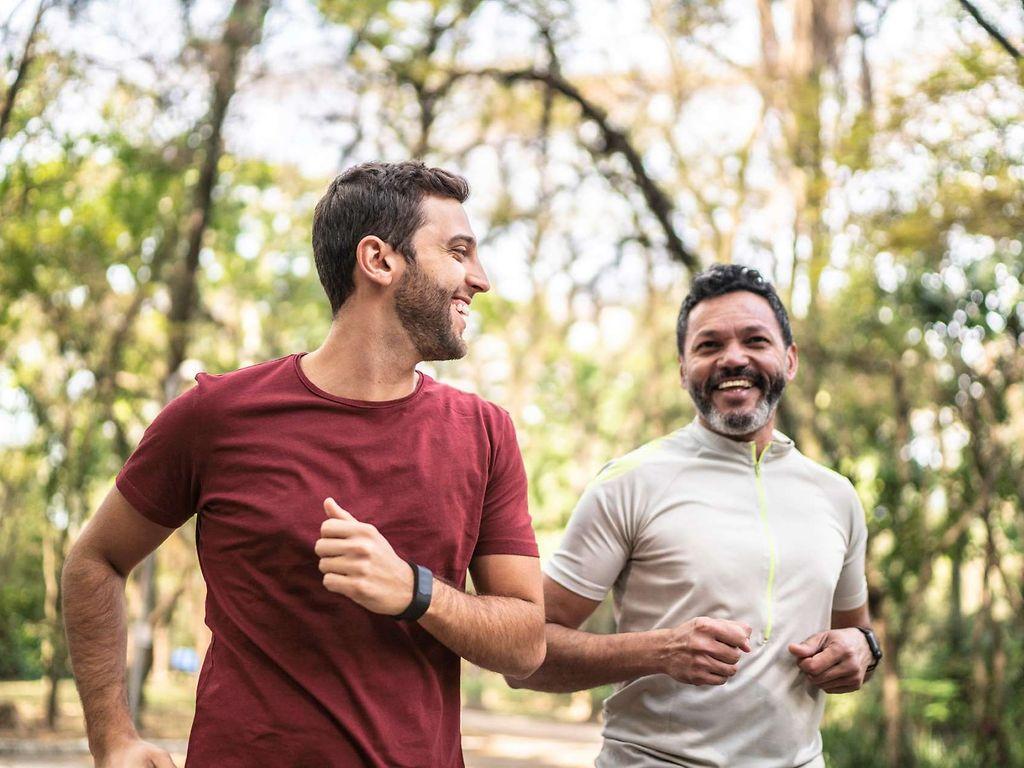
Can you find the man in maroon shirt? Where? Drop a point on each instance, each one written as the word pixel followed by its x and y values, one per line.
pixel 341 497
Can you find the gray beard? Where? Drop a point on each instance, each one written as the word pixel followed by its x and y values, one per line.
pixel 738 424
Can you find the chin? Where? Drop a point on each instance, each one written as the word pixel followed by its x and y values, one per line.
pixel 442 353
pixel 739 423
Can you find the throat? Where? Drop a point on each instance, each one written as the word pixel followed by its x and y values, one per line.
pixel 352 366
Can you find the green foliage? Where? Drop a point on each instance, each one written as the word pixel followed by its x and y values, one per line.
pixel 911 338
pixel 21 602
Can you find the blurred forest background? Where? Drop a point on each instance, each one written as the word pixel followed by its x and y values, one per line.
pixel 159 163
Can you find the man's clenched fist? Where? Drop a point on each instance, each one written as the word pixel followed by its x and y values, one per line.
pixel 835 660
pixel 359 563
pixel 705 651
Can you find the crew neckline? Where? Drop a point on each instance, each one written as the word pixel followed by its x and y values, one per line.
pixel 372 404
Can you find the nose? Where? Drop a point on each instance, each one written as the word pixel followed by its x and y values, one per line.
pixel 476 277
pixel 733 356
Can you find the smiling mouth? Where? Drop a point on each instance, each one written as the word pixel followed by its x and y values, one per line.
pixel 731 384
pixel 461 306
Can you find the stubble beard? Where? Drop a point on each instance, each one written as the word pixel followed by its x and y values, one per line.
pixel 738 424
pixel 424 310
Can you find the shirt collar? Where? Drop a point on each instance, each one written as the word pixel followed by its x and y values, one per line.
pixel 778 447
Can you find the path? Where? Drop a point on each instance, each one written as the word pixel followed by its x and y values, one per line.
pixel 489 741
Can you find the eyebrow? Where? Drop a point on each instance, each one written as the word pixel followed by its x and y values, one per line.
pixel 465 239
pixel 755 328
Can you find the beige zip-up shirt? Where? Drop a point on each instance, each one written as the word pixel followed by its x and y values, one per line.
pixel 695 524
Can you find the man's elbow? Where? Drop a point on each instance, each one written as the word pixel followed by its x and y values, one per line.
pixel 84 568
pixel 517 683
pixel 517 673
pixel 71 570
pixel 74 580
pixel 528 656
pixel 530 661
pixel 523 676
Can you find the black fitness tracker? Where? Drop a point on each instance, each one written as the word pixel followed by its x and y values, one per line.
pixel 876 649
pixel 422 589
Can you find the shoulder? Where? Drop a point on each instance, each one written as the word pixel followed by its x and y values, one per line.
pixel 645 464
pixel 837 487
pixel 215 390
pixel 459 403
pixel 256 375
pixel 218 394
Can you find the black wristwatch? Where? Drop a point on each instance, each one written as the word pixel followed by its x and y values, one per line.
pixel 422 590
pixel 876 649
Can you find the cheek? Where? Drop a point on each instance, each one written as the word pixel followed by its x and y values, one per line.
pixel 692 375
pixel 454 275
pixel 773 363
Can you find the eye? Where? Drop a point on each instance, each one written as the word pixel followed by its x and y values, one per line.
pixel 758 340
pixel 706 345
pixel 460 253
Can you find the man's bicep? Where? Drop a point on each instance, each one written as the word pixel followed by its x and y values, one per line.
pixel 565 607
pixel 119 534
pixel 597 544
pixel 855 617
pixel 507 576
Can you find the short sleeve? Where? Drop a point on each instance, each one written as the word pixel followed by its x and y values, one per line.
pixel 160 479
pixel 505 525
pixel 597 542
pixel 852 588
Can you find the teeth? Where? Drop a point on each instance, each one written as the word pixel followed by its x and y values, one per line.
pixel 462 308
pixel 735 384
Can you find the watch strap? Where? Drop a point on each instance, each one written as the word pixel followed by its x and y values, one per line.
pixel 876 649
pixel 422 591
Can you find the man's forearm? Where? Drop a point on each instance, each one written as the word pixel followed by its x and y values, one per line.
pixel 503 634
pixel 93 606
pixel 579 660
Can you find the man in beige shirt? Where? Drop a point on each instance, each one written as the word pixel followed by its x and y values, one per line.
pixel 736 564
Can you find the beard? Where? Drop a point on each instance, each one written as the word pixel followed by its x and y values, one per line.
pixel 738 424
pixel 424 310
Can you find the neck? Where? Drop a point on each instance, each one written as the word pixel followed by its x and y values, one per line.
pixel 367 355
pixel 761 437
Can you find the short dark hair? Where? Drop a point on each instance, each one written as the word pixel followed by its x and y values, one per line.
pixel 381 199
pixel 720 279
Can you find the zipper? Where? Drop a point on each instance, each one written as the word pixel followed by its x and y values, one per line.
pixel 762 503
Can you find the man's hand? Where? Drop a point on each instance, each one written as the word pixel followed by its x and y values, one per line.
pixel 835 660
pixel 705 651
pixel 359 563
pixel 135 753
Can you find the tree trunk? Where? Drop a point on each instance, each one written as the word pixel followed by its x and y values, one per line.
pixel 242 31
pixel 54 649
pixel 896 756
pixel 990 656
pixel 142 641
pixel 7 109
pixel 161 653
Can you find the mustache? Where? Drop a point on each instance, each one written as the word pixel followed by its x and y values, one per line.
pixel 757 378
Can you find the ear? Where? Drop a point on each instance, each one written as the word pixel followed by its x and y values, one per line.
pixel 377 261
pixel 792 362
pixel 682 371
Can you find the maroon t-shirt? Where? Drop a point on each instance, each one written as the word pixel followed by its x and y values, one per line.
pixel 297 675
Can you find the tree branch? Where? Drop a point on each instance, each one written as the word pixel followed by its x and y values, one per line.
pixel 242 31
pixel 994 33
pixel 615 141
pixel 23 65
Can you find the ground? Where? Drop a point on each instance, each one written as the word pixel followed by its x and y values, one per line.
pixel 490 740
